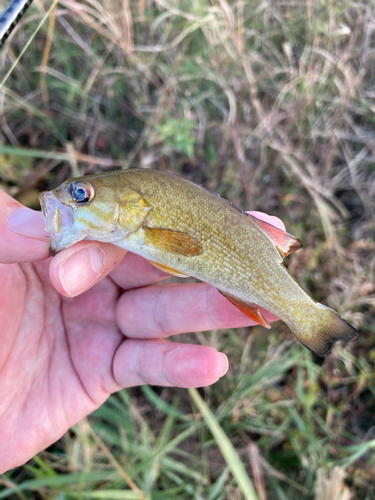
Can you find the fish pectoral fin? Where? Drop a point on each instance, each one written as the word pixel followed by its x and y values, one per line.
pixel 132 209
pixel 168 269
pixel 173 241
pixel 251 310
pixel 285 242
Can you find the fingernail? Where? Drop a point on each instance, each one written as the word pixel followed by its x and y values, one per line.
pixel 80 270
pixel 30 223
pixel 223 365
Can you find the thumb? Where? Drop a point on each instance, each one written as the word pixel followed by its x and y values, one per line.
pixel 22 235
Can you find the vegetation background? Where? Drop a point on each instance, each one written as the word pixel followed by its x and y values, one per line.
pixel 271 104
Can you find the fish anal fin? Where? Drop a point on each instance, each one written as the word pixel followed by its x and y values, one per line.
pixel 285 242
pixel 168 269
pixel 251 310
pixel 173 241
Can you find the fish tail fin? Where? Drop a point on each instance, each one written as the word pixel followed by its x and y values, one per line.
pixel 325 328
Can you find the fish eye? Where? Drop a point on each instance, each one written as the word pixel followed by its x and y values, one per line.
pixel 81 192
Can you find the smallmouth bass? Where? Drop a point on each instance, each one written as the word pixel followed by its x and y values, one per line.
pixel 188 230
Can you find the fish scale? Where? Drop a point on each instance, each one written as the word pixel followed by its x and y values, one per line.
pixel 182 227
pixel 234 267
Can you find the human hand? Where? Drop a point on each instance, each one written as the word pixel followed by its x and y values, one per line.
pixel 86 323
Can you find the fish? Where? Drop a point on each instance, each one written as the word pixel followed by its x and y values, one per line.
pixel 188 230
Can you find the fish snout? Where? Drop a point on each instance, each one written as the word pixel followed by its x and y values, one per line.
pixel 59 219
pixel 50 209
pixel 48 204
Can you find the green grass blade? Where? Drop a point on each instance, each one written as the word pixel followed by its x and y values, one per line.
pixel 34 153
pixel 105 494
pixel 28 43
pixel 227 449
pixel 358 451
pixel 160 404
pixel 219 485
pixel 60 482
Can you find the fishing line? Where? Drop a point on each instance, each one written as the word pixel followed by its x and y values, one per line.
pixel 29 41
pixel 11 16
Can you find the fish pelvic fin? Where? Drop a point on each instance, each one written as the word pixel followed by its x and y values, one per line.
pixel 325 328
pixel 251 310
pixel 284 242
pixel 168 269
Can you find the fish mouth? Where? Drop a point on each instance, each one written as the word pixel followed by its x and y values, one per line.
pixel 59 219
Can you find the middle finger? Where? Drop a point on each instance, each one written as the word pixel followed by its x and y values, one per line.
pixel 163 310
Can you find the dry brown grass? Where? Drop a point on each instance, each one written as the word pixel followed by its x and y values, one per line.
pixel 272 105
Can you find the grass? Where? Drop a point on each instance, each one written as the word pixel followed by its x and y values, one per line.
pixel 271 104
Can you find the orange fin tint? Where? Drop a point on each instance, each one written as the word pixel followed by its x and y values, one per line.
pixel 173 241
pixel 167 269
pixel 251 310
pixel 285 242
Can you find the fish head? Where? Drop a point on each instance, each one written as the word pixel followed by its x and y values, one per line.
pixel 78 209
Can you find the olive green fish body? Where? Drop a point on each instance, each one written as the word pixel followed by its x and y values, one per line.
pixel 186 228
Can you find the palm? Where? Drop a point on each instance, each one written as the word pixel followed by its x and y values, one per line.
pixel 55 361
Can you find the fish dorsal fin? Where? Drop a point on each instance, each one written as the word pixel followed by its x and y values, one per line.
pixel 168 269
pixel 251 310
pixel 285 242
pixel 173 241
